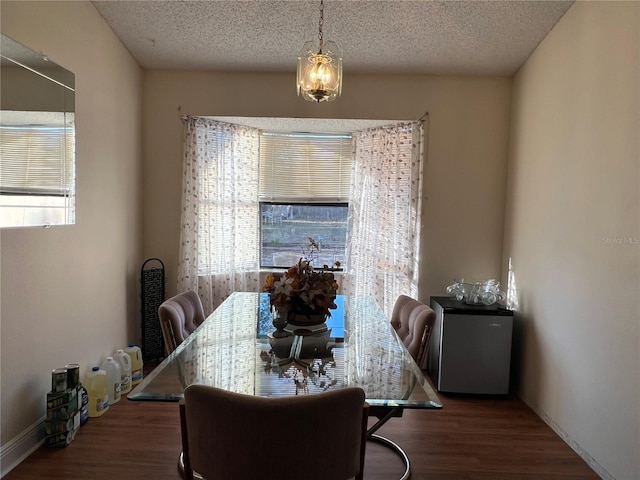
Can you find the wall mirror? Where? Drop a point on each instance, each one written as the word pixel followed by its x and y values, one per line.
pixel 37 139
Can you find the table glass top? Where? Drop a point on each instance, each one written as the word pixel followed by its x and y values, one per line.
pixel 235 349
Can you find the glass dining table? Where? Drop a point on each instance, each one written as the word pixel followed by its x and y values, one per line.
pixel 237 348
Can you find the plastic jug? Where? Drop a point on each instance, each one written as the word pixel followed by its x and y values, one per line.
pixel 96 383
pixel 124 359
pixel 136 363
pixel 114 375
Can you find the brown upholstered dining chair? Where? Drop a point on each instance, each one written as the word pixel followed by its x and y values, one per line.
pixel 233 436
pixel 179 317
pixel 413 321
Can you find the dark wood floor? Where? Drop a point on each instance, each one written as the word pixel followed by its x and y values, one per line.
pixel 471 438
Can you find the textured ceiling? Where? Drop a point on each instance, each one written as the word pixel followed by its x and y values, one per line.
pixel 395 36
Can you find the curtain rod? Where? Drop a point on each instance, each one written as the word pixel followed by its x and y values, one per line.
pixel 184 117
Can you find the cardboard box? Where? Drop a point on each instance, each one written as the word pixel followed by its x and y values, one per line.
pixel 63 418
pixel 59 440
pixel 62 406
pixel 52 427
pixel 58 399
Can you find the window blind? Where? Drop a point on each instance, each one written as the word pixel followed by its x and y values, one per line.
pixel 305 167
pixel 36 160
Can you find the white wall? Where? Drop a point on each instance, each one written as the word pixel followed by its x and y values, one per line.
pixel 465 174
pixel 70 294
pixel 573 234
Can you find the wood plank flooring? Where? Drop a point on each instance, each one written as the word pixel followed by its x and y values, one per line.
pixel 471 438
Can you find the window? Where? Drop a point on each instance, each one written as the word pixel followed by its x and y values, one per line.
pixel 384 197
pixel 304 190
pixel 286 229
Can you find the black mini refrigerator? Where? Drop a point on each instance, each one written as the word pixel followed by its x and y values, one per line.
pixel 470 349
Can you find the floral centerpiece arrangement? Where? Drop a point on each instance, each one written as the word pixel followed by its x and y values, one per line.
pixel 305 292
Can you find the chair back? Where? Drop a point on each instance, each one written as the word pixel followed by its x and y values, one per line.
pixel 179 317
pixel 413 321
pixel 233 436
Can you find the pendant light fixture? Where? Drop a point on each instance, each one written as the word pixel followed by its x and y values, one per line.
pixel 319 77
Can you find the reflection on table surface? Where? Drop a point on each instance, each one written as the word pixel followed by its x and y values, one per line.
pixel 234 349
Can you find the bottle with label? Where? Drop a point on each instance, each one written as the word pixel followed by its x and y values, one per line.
pixel 96 383
pixel 114 376
pixel 124 359
pixel 136 363
pixel 83 401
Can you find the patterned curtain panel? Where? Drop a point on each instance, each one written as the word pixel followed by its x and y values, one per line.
pixel 219 238
pixel 385 213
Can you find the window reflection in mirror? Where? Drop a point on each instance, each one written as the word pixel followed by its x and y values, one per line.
pixel 37 139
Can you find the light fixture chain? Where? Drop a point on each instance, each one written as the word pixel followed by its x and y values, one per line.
pixel 320 24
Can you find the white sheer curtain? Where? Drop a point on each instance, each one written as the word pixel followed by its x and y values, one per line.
pixel 219 236
pixel 385 213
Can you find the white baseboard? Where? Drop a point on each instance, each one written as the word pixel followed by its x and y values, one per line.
pixel 20 447
pixel 595 466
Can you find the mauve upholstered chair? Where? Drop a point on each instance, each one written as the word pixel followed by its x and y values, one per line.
pixel 179 317
pixel 413 321
pixel 233 436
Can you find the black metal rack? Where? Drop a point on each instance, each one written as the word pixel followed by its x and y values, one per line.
pixel 152 294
